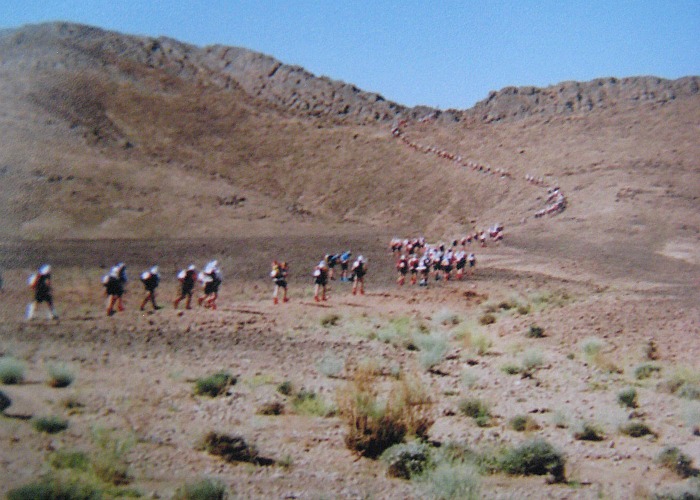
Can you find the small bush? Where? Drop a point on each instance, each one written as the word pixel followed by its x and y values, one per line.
pixel 60 376
pixel 329 320
pixel 376 424
pixel 230 448
pixel 309 403
pixel 214 385
pixel 532 359
pixel 523 423
pixel 688 491
pixel 110 463
pixel 453 480
pixel 627 397
pixel 286 388
pixel 50 425
pixel 592 346
pixel 476 409
pixel 408 460
pixel 481 344
pixel 673 459
pixel 588 431
pixel 691 415
pixel 52 488
pixel 69 459
pixel 636 429
pixel 523 310
pixel 507 305
pixel 432 350
pixel 446 317
pixel 11 370
pixel 271 408
pixel 689 391
pixel 510 369
pixel 536 457
pixel 5 402
pixel 330 365
pixel 535 332
pixel 646 370
pixel 206 489
pixel 487 319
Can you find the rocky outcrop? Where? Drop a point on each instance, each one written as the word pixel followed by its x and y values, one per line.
pixel 576 97
pixel 72 46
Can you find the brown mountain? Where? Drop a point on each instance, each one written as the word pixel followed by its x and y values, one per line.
pixel 107 135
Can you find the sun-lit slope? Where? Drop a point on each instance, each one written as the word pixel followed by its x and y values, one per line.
pixel 109 135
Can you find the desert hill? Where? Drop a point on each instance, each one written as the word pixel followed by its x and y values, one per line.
pixel 108 135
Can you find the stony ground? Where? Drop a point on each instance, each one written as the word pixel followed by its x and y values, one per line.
pixel 135 371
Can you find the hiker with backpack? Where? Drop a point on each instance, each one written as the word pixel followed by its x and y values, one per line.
pixel 320 281
pixel 150 280
pixel 40 282
pixel 359 269
pixel 279 278
pixel 114 287
pixel 187 278
pixel 211 279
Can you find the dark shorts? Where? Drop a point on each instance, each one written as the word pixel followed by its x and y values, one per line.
pixel 344 266
pixel 43 297
pixel 211 287
pixel 281 282
pixel 186 289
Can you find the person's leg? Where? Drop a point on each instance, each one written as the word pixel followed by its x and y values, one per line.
pixel 31 307
pixel 275 293
pixel 145 300
pixel 284 294
pixel 188 303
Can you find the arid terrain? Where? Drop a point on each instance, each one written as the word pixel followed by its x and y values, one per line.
pixel 149 151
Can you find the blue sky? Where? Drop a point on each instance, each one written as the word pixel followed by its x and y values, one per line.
pixel 448 54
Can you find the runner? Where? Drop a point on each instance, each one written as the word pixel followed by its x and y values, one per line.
pixel 114 287
pixel 41 283
pixel 150 280
pixel 211 279
pixel 359 269
pixel 320 281
pixel 279 278
pixel 187 278
pixel 344 265
pixel 402 268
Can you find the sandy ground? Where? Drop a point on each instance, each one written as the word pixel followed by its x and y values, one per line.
pixel 134 371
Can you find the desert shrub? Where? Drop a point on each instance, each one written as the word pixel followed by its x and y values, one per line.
pixel 627 397
pixel 559 420
pixel 636 428
pixel 271 408
pixel 469 379
pixel 536 457
pixel 285 388
pixel 588 431
pixel 11 370
pixel 446 317
pixel 408 460
pixel 70 459
pixel 688 491
pixel 691 415
pixel 683 382
pixel 523 310
pixel 329 320
pixel 507 305
pixel 487 319
pixel 205 489
pixel 330 365
pixel 535 332
pixel 309 403
pixel 646 370
pixel 432 349
pixel 521 423
pixel 532 359
pixel 675 460
pixel 481 343
pixel 5 402
pixel 592 346
pixel 50 425
pixel 214 385
pixel 56 487
pixel 60 376
pixel 110 462
pixel 476 409
pixel 510 369
pixel 375 424
pixel 689 391
pixel 453 480
pixel 230 448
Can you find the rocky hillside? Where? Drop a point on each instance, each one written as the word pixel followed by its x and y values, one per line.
pixel 110 135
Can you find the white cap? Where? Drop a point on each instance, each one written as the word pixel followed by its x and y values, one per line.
pixel 45 269
pixel 105 279
pixel 154 270
pixel 191 267
pixel 145 275
pixel 114 272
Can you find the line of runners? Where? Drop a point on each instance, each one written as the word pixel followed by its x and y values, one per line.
pixel 420 259
pixel 210 279
pixel 556 201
